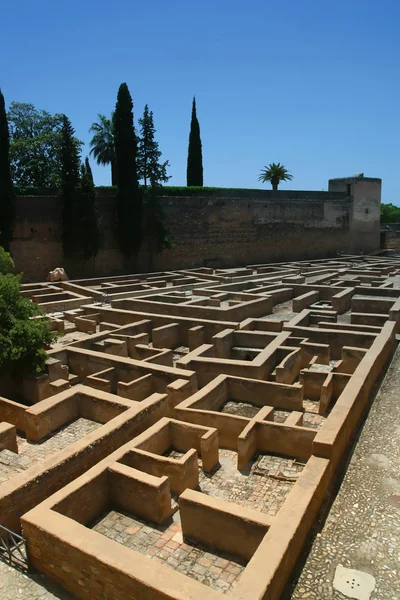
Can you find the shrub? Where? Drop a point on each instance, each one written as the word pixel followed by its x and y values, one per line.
pixel 6 262
pixel 22 339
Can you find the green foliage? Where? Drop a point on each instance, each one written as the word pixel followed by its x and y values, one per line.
pixel 22 339
pixel 149 167
pixel 172 190
pixel 390 213
pixel 153 173
pixel 33 191
pixel 103 144
pixel 7 197
pixel 88 222
pixel 129 197
pixel 194 172
pixel 6 262
pixel 70 179
pixel 275 173
pixel 88 171
pixel 35 149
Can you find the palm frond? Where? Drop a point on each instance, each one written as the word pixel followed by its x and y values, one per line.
pixel 102 142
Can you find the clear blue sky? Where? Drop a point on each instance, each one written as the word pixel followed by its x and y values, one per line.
pixel 312 84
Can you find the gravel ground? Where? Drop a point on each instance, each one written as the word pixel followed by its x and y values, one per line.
pixel 362 530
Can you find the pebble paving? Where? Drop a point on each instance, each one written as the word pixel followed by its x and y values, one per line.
pixel 362 530
pixel 16 585
pixel 257 488
pixel 31 452
pixel 241 409
pixel 165 544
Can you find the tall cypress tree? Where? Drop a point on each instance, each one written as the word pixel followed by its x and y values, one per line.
pixel 129 197
pixel 88 218
pixel 88 170
pixel 7 197
pixel 70 179
pixel 194 173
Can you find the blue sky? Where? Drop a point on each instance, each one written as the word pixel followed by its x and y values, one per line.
pixel 312 84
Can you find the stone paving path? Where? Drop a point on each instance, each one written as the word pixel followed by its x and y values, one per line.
pixel 31 452
pixel 165 544
pixel 282 312
pixel 256 489
pixel 15 585
pixel 241 409
pixel 362 530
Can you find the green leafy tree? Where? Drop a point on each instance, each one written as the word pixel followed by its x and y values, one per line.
pixel 150 169
pixel 7 198
pixel 88 170
pixel 6 262
pixel 153 173
pixel 103 144
pixel 194 173
pixel 22 338
pixel 275 173
pixel 129 197
pixel 35 148
pixel 390 213
pixel 88 221
pixel 70 180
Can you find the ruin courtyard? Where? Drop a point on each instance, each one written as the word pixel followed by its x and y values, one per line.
pixel 190 428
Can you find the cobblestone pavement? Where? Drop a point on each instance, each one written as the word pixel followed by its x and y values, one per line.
pixel 15 585
pixel 282 312
pixel 31 452
pixel 241 409
pixel 345 317
pixel 165 544
pixel 179 353
pixel 313 421
pixel 362 530
pixel 258 488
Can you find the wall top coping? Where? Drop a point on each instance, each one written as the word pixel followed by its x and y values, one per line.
pixel 222 195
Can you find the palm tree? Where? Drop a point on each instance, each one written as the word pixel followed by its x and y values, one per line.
pixel 102 144
pixel 275 173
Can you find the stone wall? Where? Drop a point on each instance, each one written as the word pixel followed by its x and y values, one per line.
pixel 224 229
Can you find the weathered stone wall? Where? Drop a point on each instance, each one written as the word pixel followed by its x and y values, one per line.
pixel 218 231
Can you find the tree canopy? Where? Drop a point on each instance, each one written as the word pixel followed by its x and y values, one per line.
pixel 22 339
pixel 35 146
pixel 275 173
pixel 194 172
pixel 6 262
pixel 87 218
pixel 150 170
pixel 129 197
pixel 390 213
pixel 70 179
pixel 102 144
pixel 7 198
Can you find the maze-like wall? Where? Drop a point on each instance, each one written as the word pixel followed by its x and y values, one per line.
pixel 189 424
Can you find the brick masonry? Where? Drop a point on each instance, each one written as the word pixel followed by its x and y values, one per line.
pixel 218 230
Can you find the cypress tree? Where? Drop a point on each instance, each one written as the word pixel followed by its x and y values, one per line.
pixel 7 197
pixel 194 173
pixel 70 179
pixel 88 170
pixel 129 197
pixel 88 218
